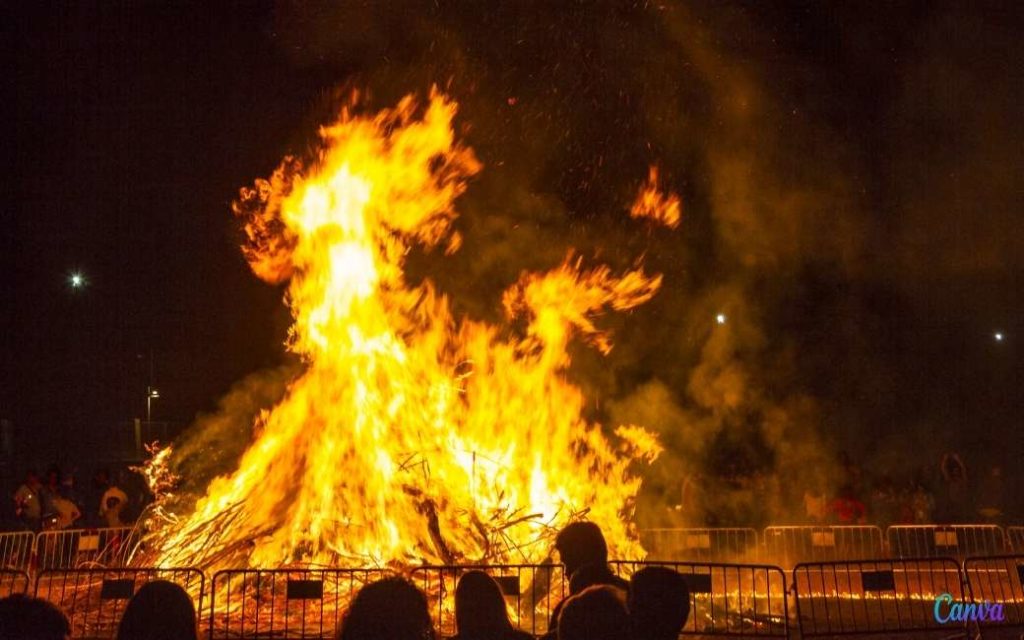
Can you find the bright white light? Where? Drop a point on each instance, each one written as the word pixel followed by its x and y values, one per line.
pixel 720 318
pixel 998 335
pixel 154 393
pixel 77 280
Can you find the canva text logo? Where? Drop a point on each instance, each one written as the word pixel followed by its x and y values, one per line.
pixel 948 610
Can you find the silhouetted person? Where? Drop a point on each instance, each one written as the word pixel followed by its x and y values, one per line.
pixel 916 499
pixel 596 613
pixel 480 611
pixel 50 491
pixel 581 543
pixel 659 603
pixel 884 508
pixel 26 618
pixel 956 496
pixel 583 550
pixel 389 609
pixel 92 500
pixel 160 610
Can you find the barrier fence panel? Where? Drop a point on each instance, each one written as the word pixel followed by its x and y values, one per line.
pixel 12 581
pixel 95 599
pixel 81 548
pixel 788 546
pixel 876 597
pixel 285 603
pixel 953 540
pixel 531 591
pixel 737 600
pixel 998 580
pixel 701 544
pixel 1015 536
pixel 16 549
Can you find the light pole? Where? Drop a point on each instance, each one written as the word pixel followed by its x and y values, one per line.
pixel 151 394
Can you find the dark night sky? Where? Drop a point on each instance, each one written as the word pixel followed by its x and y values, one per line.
pixel 134 124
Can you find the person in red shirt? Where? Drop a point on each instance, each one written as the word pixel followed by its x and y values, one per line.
pixel 846 508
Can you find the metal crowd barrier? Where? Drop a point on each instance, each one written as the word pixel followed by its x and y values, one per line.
pixel 16 549
pixel 875 597
pixel 95 599
pixel 1015 536
pixel 951 540
pixel 12 581
pixel 735 600
pixel 789 546
pixel 76 548
pixel 701 544
pixel 286 603
pixel 998 580
pixel 531 591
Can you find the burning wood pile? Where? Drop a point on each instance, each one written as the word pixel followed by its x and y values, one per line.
pixel 412 436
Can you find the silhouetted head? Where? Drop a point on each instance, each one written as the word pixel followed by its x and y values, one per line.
pixel 389 609
pixel 659 603
pixel 26 618
pixel 596 613
pixel 480 607
pixel 581 543
pixel 160 610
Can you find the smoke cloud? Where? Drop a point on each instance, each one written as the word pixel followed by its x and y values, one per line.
pixel 213 444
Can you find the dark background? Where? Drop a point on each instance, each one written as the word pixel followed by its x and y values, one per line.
pixel 132 125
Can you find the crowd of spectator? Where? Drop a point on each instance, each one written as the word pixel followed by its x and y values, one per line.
pixel 55 501
pixel 653 605
pixel 945 494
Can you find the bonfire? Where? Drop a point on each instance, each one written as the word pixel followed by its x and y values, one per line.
pixel 411 436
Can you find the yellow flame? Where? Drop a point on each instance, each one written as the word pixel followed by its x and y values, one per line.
pixel 410 437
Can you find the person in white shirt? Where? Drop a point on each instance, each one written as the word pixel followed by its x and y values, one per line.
pixel 111 505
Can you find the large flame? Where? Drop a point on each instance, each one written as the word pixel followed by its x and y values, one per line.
pixel 411 437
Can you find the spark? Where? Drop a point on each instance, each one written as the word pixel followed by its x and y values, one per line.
pixel 998 335
pixel 720 318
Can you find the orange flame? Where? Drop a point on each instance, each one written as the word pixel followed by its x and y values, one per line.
pixel 653 204
pixel 410 437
